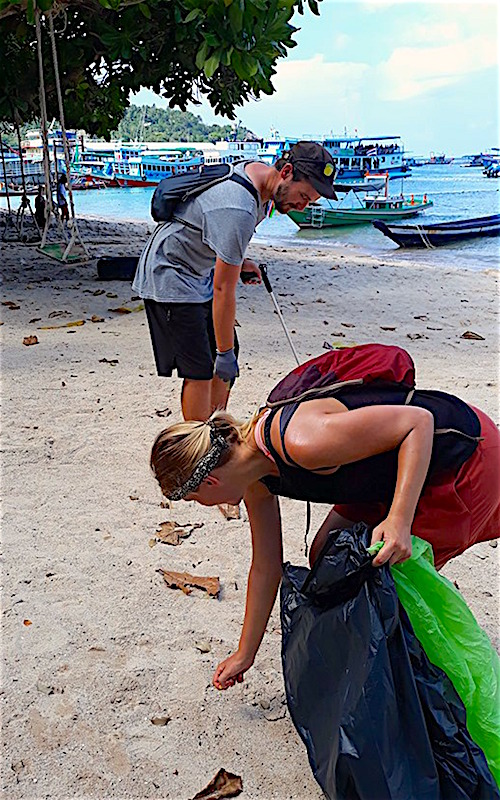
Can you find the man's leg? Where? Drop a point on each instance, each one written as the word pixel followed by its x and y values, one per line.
pixel 196 399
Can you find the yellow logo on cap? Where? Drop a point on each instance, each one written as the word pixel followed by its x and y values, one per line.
pixel 328 170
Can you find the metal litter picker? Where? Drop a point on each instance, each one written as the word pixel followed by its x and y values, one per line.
pixel 269 288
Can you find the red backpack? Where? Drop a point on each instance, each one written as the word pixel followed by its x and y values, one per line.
pixel 367 363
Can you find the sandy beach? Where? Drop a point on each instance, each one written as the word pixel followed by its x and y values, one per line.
pixel 95 645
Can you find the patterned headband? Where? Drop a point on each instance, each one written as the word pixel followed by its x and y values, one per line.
pixel 204 466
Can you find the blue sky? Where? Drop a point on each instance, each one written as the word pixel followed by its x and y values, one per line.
pixel 425 71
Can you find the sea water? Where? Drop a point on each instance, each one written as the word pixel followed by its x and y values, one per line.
pixel 457 192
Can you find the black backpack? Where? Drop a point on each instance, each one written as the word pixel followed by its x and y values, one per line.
pixel 179 188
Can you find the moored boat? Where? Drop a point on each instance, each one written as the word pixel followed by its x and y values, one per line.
pixel 327 214
pixel 493 170
pixel 89 181
pixel 149 169
pixel 354 156
pixel 440 233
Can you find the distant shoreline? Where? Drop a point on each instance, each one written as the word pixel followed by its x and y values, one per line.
pixel 446 258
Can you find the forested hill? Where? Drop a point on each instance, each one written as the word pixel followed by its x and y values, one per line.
pixel 151 124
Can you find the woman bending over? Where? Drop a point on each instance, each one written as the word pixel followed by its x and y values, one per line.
pixel 430 468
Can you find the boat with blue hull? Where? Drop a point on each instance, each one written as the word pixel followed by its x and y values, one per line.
pixel 440 233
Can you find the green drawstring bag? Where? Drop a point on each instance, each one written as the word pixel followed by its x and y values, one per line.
pixel 453 641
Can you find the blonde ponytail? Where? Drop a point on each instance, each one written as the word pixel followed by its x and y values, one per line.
pixel 178 449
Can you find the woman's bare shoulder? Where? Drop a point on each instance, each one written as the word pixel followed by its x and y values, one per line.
pixel 306 428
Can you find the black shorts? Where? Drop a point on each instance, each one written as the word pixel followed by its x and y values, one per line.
pixel 183 338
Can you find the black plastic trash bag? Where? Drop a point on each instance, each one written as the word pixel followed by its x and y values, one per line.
pixel 379 721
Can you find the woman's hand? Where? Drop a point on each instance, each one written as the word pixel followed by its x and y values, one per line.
pixel 231 670
pixel 396 536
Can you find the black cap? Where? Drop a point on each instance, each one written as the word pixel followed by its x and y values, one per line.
pixel 317 164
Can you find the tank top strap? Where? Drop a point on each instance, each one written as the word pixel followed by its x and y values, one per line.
pixel 287 413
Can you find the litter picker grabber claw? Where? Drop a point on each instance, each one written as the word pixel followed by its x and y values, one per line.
pixel 269 288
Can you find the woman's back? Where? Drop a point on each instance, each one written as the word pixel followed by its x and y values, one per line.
pixel 369 479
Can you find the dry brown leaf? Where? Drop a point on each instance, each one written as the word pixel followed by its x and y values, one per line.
pixel 229 511
pixel 171 533
pixel 30 340
pixel 59 314
pixel 111 294
pixel 224 784
pixel 387 327
pixel 98 292
pixel 472 335
pixel 348 324
pixel 27 622
pixel 74 324
pixel 10 304
pixel 3 323
pixel 121 310
pixel 184 581
pixel 95 318
pixel 160 720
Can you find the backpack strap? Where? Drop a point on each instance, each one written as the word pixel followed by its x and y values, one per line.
pixel 196 193
pixel 246 184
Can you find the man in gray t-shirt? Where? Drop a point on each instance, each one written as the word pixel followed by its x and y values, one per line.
pixel 189 269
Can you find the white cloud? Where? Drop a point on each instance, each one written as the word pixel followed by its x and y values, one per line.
pixel 427 32
pixel 312 95
pixel 340 41
pixel 412 71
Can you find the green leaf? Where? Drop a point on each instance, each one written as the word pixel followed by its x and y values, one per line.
pixel 238 65
pixel 226 57
pixel 145 10
pixel 251 65
pixel 212 39
pixel 196 12
pixel 235 15
pixel 211 65
pixel 201 55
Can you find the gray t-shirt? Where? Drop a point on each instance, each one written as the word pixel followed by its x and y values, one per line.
pixel 177 264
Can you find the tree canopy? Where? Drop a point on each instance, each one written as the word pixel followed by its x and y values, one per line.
pixel 224 50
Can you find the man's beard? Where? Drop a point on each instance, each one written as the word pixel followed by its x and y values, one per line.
pixel 280 199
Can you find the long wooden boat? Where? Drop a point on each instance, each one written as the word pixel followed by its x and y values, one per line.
pixel 440 233
pixel 325 215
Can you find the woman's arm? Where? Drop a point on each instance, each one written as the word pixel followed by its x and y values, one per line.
pixel 317 440
pixel 263 582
